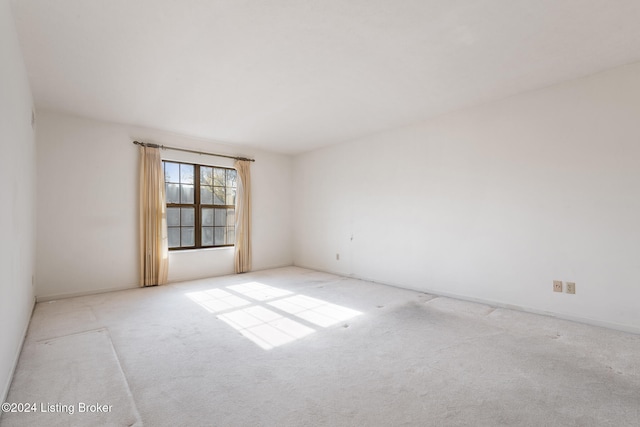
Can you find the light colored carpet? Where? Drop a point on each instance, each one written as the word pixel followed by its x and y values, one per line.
pixel 294 347
pixel 68 380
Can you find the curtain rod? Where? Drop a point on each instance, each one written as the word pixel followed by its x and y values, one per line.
pixel 164 147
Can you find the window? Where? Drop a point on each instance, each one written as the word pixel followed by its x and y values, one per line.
pixel 200 205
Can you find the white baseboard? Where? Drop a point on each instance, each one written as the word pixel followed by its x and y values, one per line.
pixel 82 293
pixel 45 298
pixel 588 321
pixel 16 358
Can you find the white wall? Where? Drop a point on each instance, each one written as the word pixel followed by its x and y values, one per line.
pixel 17 195
pixel 492 203
pixel 87 190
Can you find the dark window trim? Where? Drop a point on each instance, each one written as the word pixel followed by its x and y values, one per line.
pixel 197 207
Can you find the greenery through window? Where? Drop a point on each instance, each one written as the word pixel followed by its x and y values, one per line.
pixel 200 205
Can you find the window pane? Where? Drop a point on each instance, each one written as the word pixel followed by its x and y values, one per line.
pixel 174 237
pixel 206 195
pixel 173 217
pixel 172 193
pixel 186 174
pixel 171 172
pixel 186 193
pixel 207 216
pixel 188 216
pixel 217 188
pixel 220 235
pixel 231 196
pixel 219 177
pixel 218 196
pixel 207 236
pixel 206 175
pixel 221 217
pixel 232 177
pixel 188 236
pixel 231 217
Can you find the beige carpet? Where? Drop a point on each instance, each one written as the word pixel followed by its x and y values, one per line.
pixel 70 380
pixel 294 347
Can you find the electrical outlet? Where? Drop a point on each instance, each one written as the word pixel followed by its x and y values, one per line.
pixel 337 257
pixel 557 286
pixel 571 288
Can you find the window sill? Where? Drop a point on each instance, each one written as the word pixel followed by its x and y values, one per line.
pixel 182 251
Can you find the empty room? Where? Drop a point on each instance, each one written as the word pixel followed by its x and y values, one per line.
pixel 320 213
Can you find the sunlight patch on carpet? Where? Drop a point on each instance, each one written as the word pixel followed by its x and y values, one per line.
pixel 314 310
pixel 274 315
pixel 217 300
pixel 259 291
pixel 265 327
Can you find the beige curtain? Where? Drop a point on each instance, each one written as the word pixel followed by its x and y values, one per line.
pixel 243 218
pixel 154 255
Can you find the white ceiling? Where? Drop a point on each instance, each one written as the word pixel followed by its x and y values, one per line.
pixel 293 75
